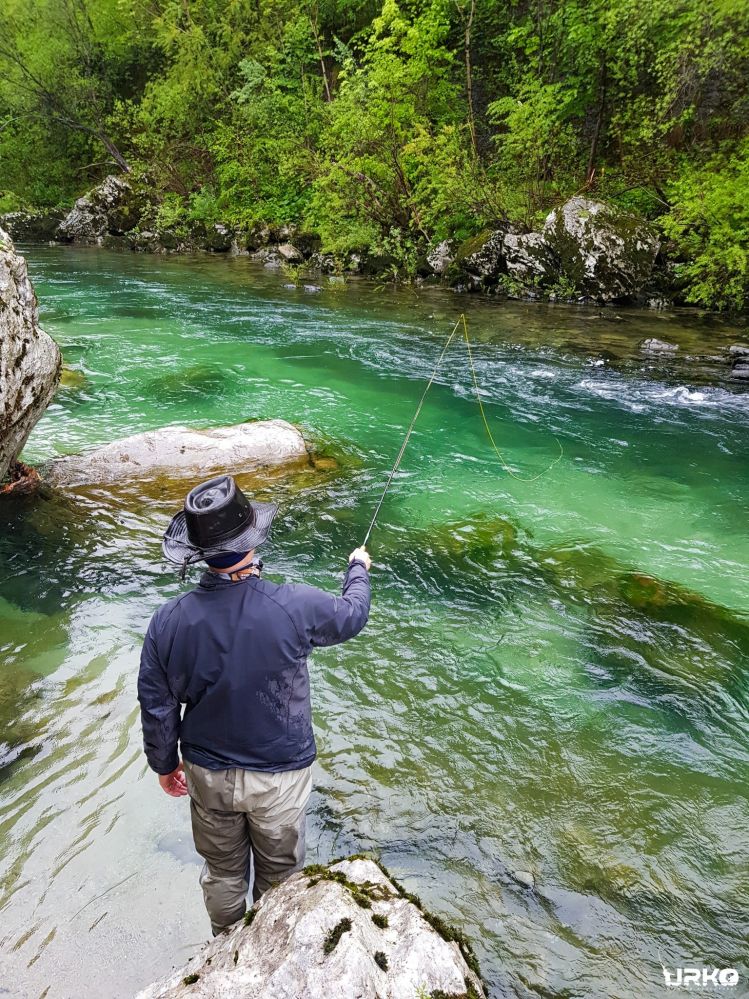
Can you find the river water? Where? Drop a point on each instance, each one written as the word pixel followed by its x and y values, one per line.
pixel 554 677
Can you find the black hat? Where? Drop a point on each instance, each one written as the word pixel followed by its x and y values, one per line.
pixel 217 518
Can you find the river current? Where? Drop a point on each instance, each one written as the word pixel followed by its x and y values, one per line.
pixel 554 676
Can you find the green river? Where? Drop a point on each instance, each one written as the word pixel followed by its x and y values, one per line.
pixel 554 676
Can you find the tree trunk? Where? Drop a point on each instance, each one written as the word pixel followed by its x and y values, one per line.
pixel 469 79
pixel 602 80
pixel 113 151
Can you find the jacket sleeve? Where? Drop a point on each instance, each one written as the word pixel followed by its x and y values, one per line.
pixel 327 619
pixel 159 708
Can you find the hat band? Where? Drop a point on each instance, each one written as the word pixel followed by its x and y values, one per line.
pixel 220 540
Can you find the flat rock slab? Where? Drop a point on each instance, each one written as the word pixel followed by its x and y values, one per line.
pixel 181 450
pixel 310 938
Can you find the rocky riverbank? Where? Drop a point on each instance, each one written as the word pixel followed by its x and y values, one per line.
pixel 30 365
pixel 586 251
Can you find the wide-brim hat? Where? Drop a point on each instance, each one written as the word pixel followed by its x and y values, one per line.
pixel 217 518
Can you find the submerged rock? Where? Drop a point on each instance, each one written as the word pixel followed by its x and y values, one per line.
pixel 655 346
pixel 524 878
pixel 603 252
pixel 30 360
pixel 181 451
pixel 331 933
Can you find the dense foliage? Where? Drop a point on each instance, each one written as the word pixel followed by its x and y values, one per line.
pixel 392 123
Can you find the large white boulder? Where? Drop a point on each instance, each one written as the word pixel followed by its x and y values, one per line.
pixel 315 937
pixel 179 451
pixel 30 360
pixel 603 252
pixel 110 208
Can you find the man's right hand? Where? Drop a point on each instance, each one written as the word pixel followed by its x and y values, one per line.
pixel 174 783
pixel 361 555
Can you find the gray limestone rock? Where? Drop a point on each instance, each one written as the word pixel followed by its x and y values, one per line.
pixel 179 451
pixel 30 361
pixel 312 938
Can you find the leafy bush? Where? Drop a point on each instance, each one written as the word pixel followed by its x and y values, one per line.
pixel 709 225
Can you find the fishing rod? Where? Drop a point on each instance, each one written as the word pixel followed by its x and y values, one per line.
pixel 407 438
pixel 477 393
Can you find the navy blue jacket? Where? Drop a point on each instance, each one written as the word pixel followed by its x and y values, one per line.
pixel 235 654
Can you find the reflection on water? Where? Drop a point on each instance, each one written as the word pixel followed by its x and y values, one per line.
pixel 554 676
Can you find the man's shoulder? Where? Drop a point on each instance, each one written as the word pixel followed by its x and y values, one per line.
pixel 292 596
pixel 165 611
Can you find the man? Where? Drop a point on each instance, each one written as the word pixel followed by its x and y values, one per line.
pixel 234 652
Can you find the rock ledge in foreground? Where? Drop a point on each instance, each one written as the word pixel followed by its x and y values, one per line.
pixel 181 450
pixel 331 933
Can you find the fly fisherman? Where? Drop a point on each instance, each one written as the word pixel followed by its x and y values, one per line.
pixel 234 652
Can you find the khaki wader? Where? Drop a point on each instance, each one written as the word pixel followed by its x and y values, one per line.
pixel 242 814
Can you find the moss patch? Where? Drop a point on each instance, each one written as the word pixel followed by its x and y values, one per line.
pixel 381 921
pixel 447 932
pixel 470 993
pixel 363 894
pixel 380 959
pixel 249 917
pixel 190 979
pixel 331 940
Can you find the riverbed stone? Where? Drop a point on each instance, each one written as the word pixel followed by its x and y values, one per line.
pixel 30 360
pixel 604 253
pixel 112 207
pixel 440 256
pixel 333 932
pixel 480 258
pixel 31 225
pixel 524 878
pixel 740 372
pixel 179 450
pixel 529 259
pixel 289 253
pixel 655 346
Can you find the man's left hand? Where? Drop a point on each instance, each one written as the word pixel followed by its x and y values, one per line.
pixel 174 783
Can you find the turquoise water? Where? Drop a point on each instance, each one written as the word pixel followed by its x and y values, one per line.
pixel 554 677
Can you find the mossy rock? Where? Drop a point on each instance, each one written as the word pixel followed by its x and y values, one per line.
pixel 604 254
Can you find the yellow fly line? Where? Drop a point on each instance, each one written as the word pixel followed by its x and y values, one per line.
pixel 477 393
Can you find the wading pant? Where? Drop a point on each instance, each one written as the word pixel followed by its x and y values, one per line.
pixel 242 814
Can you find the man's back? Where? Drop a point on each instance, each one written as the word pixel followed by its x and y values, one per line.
pixel 235 654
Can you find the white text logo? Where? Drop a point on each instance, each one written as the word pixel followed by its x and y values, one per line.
pixel 700 977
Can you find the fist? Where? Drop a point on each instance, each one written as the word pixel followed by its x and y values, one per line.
pixel 361 555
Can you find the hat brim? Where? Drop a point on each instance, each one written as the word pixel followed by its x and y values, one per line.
pixel 177 546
